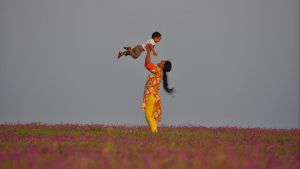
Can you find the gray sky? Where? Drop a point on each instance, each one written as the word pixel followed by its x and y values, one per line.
pixel 235 62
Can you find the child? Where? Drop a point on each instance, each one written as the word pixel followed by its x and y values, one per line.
pixel 138 49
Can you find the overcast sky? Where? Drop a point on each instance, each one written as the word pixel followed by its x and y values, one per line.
pixel 235 62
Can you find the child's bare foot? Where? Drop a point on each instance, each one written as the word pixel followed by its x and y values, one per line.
pixel 120 54
pixel 127 48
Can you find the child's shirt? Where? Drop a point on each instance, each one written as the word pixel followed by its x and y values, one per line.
pixel 151 41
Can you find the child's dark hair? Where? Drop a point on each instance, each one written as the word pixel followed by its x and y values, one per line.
pixel 156 34
pixel 167 68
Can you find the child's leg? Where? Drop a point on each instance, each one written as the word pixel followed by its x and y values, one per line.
pixel 134 53
pixel 127 48
pixel 126 53
pixel 149 111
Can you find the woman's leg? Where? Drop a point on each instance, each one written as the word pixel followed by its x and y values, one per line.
pixel 149 111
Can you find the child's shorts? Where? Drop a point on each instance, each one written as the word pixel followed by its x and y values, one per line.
pixel 136 51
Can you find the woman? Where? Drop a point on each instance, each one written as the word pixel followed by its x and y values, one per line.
pixel 151 102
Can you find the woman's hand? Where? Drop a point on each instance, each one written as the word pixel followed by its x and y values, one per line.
pixel 148 64
pixel 148 57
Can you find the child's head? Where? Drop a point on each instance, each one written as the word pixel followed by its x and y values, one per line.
pixel 156 36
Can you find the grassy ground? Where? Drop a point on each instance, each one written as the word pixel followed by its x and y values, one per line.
pixel 30 146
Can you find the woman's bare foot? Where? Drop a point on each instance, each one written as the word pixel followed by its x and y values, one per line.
pixel 127 48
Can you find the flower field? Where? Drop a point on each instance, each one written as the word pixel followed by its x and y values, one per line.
pixel 95 146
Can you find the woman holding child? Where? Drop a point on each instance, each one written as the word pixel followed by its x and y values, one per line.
pixel 151 104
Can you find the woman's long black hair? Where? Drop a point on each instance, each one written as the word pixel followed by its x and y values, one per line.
pixel 167 68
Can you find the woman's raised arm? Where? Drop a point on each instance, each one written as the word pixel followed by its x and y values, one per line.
pixel 148 53
pixel 148 64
